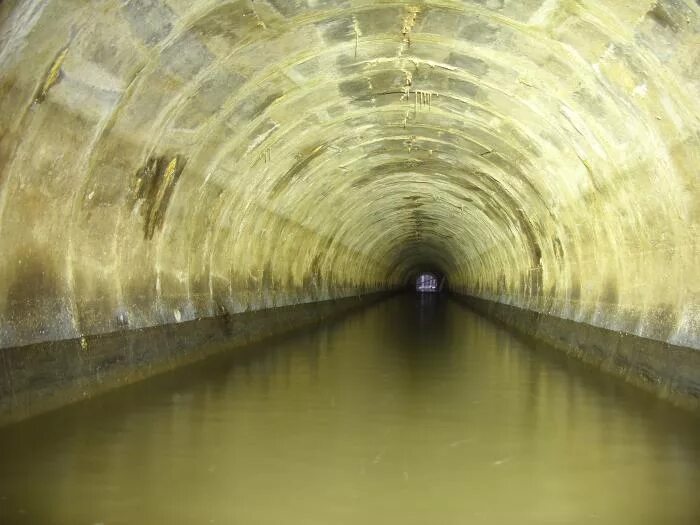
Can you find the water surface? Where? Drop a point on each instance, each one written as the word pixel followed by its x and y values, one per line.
pixel 413 411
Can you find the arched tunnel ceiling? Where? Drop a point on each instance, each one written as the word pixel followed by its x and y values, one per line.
pixel 169 159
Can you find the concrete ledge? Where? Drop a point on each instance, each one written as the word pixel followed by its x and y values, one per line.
pixel 40 377
pixel 672 372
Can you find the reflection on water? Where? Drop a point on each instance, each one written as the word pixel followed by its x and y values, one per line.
pixel 415 411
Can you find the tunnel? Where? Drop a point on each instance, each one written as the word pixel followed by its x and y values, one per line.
pixel 181 176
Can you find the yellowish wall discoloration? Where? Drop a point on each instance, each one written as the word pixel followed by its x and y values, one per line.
pixel 543 154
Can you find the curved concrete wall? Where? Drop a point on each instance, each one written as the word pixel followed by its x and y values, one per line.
pixel 162 160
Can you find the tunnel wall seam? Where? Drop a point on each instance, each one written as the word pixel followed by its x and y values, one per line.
pixel 670 371
pixel 40 377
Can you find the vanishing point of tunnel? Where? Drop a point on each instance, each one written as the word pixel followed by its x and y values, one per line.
pixel 481 218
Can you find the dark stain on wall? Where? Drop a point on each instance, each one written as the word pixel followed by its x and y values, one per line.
pixel 338 30
pixel 610 293
pixel 501 286
pixel 150 20
pixel 314 276
pixel 575 288
pixel 35 306
pixel 268 282
pixel 661 16
pixel 557 248
pixel 535 272
pixel 52 77
pixel 228 21
pixel 153 189
pixel 474 65
pixel 304 159
pixel 253 107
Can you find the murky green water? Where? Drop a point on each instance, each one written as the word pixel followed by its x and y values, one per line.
pixel 405 413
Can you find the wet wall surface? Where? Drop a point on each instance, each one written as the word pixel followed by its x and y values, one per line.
pixel 412 411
